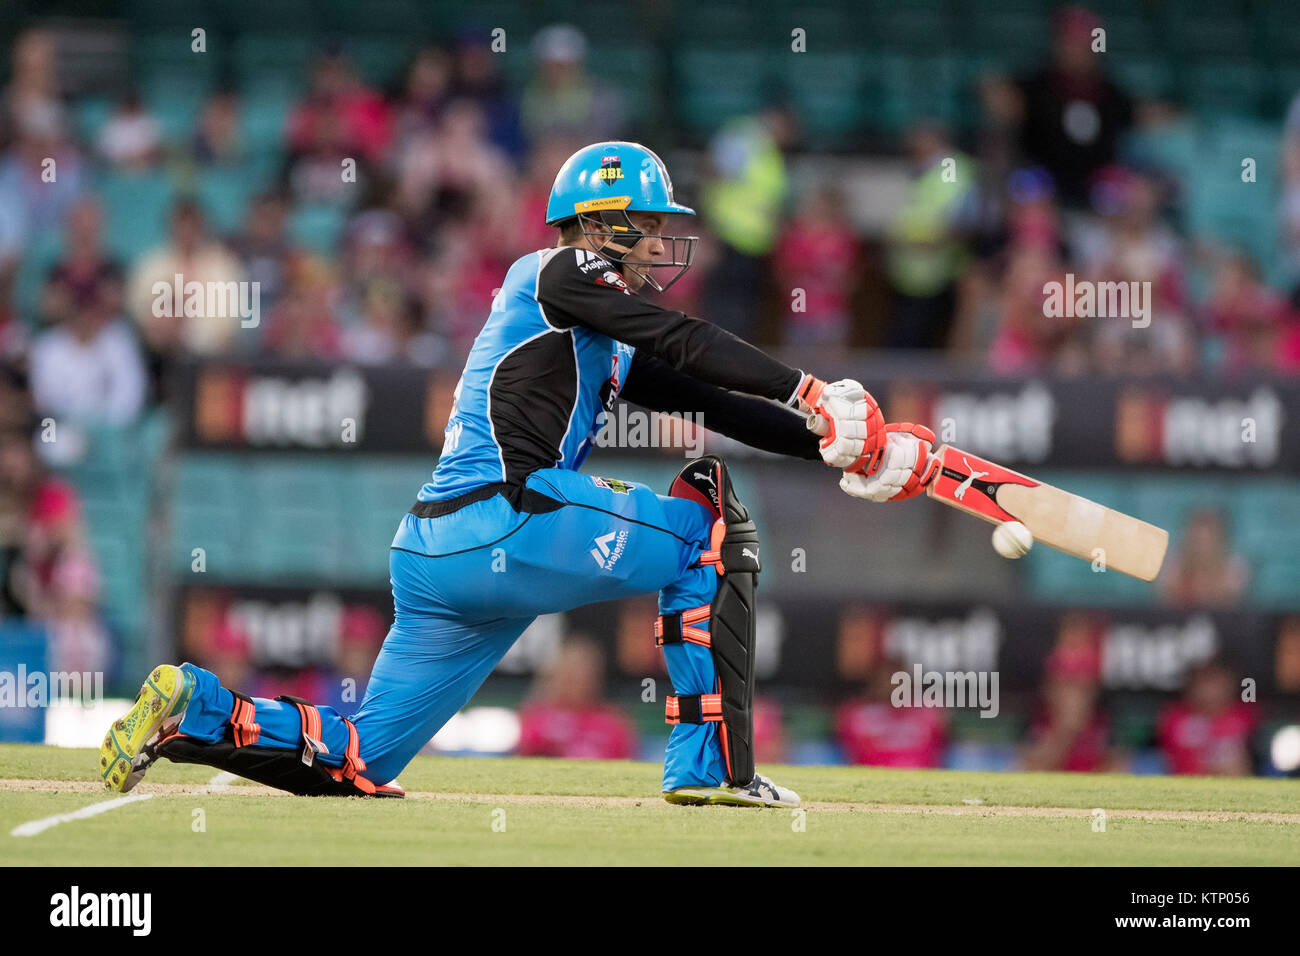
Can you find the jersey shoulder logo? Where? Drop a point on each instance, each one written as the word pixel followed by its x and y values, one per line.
pixel 588 261
pixel 612 280
pixel 613 484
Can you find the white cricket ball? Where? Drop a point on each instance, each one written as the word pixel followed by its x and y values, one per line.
pixel 1011 539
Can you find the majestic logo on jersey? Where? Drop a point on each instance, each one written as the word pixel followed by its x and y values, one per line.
pixel 612 484
pixel 587 262
pixel 609 548
pixel 611 170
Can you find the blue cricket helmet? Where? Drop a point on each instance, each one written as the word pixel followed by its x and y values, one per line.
pixel 612 175
pixel 600 184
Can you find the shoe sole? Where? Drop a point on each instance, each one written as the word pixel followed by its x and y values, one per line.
pixel 135 730
pixel 720 798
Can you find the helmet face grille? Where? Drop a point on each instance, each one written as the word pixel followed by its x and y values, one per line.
pixel 615 228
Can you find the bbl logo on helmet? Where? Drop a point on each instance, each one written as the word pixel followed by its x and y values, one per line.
pixel 611 170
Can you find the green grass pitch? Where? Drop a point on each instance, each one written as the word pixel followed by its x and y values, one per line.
pixel 531 811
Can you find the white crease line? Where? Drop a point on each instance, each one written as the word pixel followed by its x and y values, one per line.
pixel 34 827
pixel 217 784
pixel 221 781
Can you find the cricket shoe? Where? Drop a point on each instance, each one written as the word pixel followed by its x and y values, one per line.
pixel 759 792
pixel 127 750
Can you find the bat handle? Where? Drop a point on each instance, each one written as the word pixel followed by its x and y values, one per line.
pixel 817 424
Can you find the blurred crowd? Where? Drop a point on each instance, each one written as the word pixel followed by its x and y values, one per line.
pixel 1206 730
pixel 440 182
pixel 48 573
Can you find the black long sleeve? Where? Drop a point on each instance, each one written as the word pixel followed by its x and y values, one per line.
pixel 654 384
pixel 578 287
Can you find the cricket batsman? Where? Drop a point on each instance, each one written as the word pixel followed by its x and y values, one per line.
pixel 508 528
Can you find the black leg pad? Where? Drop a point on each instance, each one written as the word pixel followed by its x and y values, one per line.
pixel 281 769
pixel 732 614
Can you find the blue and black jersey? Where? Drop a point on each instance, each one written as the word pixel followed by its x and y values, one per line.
pixel 564 338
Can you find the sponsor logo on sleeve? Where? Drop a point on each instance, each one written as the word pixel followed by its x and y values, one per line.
pixel 613 484
pixel 612 280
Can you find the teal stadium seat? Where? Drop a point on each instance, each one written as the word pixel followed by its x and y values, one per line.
pixel 720 26
pixel 196 524
pixel 405 18
pixel 719 85
pixel 151 15
pixel 1277 29
pixel 263 118
pixel 1146 77
pixel 381 60
pixel 914 88
pixel 40 256
pixel 904 28
pixel 827 90
pixel 274 64
pixel 1219 204
pixel 214 479
pixel 1128 33
pixel 92 112
pixel 1017 33
pixel 1226 87
pixel 317 226
pixel 641 80
pixel 174 81
pixel 115 486
pixel 136 208
pixel 1202 30
pixel 837 28
pixel 159 54
pixel 1174 147
pixel 225 194
pixel 441 19
pixel 294 483
pixel 253 17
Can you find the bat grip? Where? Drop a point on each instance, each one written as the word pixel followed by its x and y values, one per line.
pixel 816 424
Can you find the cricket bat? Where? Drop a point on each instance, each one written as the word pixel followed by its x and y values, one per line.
pixel 1057 518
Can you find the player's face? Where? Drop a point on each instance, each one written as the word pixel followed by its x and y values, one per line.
pixel 649 249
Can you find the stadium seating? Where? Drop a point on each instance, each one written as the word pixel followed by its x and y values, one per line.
pixel 136 209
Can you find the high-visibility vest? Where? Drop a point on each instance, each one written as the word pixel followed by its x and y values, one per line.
pixel 922 260
pixel 745 210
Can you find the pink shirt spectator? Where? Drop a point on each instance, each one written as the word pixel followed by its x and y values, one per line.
pixel 596 732
pixel 818 258
pixel 879 735
pixel 1196 743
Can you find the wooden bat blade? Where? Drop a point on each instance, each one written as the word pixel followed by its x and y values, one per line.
pixel 1057 518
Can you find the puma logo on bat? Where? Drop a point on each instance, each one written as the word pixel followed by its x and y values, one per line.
pixel 974 476
pixel 713 488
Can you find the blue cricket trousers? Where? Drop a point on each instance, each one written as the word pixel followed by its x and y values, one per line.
pixel 466 584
